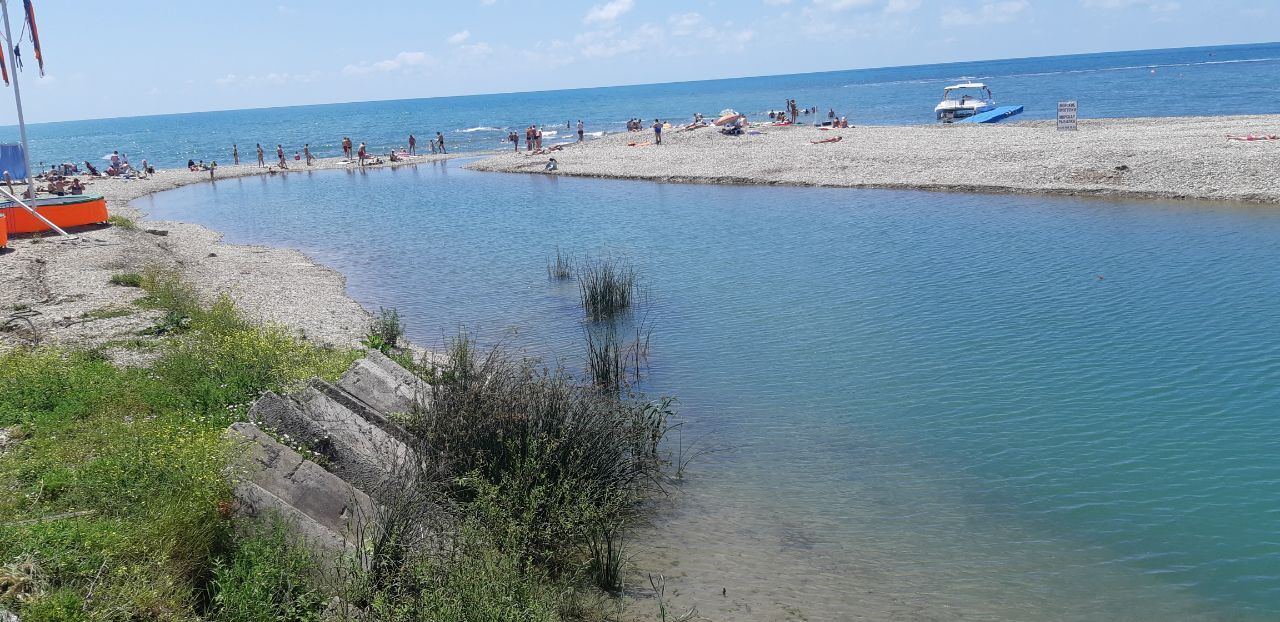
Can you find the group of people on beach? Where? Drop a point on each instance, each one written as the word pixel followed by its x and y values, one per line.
pixel 349 152
pixel 56 182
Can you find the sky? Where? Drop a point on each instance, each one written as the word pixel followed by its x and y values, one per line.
pixel 141 57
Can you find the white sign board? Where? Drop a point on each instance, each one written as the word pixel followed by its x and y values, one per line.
pixel 1067 116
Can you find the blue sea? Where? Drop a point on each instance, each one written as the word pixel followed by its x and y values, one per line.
pixel 903 405
pixel 1238 79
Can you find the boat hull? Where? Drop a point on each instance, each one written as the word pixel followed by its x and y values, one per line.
pixel 4 231
pixel 66 212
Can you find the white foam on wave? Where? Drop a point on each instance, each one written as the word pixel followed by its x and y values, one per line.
pixel 483 128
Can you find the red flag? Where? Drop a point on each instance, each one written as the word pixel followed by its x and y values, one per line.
pixel 35 36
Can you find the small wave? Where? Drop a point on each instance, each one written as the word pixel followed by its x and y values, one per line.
pixel 549 133
pixel 595 134
pixel 483 128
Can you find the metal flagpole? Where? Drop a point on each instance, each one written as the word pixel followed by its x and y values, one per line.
pixel 22 125
pixel 17 96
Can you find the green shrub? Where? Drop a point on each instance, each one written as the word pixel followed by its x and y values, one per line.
pixel 123 222
pixel 385 331
pixel 127 279
pixel 266 577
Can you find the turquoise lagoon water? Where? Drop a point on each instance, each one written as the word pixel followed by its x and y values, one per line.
pixel 932 406
pixel 1237 79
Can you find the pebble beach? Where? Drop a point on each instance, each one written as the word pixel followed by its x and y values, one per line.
pixel 1165 158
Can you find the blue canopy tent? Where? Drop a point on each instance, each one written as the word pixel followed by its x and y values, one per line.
pixel 12 160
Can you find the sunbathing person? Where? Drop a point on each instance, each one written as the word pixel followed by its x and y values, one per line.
pixel 833 139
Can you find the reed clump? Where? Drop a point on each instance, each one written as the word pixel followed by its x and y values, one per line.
pixel 607 289
pixel 560 268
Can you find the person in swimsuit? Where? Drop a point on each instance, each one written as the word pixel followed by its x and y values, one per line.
pixel 261 162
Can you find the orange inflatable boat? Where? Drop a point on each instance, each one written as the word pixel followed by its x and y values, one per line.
pixel 66 212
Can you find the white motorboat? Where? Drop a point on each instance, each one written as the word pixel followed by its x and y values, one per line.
pixel 964 100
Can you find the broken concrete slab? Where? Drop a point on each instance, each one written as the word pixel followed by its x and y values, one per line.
pixel 305 486
pixel 382 384
pixel 354 448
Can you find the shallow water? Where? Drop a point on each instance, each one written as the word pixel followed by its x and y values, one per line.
pixel 932 406
pixel 1236 79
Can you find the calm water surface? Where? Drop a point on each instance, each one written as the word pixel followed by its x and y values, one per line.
pixel 939 406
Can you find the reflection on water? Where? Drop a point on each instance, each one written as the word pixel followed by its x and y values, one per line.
pixel 939 406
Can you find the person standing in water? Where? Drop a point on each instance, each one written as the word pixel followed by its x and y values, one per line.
pixel 580 130
pixel 346 147
pixel 306 152
pixel 261 162
pixel 235 154
pixel 280 154
pixel 440 139
pixel 413 145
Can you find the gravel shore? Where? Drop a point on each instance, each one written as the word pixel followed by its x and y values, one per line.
pixel 1177 157
pixel 63 286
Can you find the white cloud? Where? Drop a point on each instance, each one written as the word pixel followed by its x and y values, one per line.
pixel 608 43
pixel 901 6
pixel 842 5
pixel 475 51
pixel 988 13
pixel 608 11
pixel 777 2
pixel 685 23
pixel 459 37
pixel 273 78
pixel 1163 6
pixel 405 62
